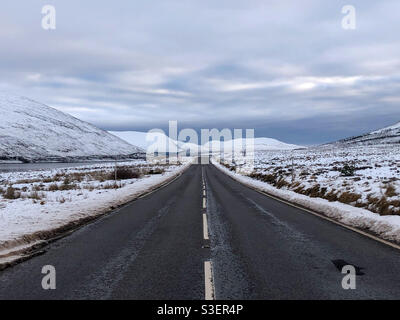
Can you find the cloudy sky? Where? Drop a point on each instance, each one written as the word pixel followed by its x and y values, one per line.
pixel 285 68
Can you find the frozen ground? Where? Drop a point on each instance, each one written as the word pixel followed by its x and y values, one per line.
pixel 35 202
pixel 358 185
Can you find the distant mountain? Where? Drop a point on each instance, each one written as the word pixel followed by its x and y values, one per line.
pixel 387 135
pixel 32 131
pixel 260 144
pixel 265 144
pixel 137 138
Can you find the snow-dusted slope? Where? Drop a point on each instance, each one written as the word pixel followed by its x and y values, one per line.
pixel 265 144
pixel 260 144
pixel 34 131
pixel 162 142
pixel 388 135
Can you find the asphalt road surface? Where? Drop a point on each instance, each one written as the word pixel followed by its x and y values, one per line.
pixel 223 241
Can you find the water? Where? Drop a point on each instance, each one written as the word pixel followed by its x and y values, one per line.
pixel 18 167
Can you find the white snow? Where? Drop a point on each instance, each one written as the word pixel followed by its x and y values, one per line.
pixel 144 140
pixel 387 135
pixel 34 131
pixel 260 144
pixel 319 163
pixel 165 143
pixel 22 218
pixel 389 128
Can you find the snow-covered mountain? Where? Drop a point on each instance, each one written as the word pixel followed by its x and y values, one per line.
pixel 33 131
pixel 166 143
pixel 162 142
pixel 387 135
pixel 265 144
pixel 260 144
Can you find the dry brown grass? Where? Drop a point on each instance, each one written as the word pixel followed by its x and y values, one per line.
pixel 331 196
pixel 11 193
pixel 113 185
pixel 349 197
pixel 36 195
pixel 313 192
pixel 390 191
pixel 53 187
pixel 269 178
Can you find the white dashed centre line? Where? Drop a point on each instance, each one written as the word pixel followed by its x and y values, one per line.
pixel 205 227
pixel 208 277
pixel 209 283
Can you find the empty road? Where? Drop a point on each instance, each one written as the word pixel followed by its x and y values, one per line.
pixel 207 236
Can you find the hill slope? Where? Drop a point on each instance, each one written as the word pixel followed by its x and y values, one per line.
pixel 260 144
pixel 33 131
pixel 387 135
pixel 137 138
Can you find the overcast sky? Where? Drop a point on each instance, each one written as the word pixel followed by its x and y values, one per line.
pixel 285 68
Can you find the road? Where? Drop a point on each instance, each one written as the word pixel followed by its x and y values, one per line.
pixel 164 246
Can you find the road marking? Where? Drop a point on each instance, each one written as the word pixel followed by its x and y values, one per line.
pixel 208 279
pixel 393 245
pixel 366 234
pixel 205 227
pixel 208 275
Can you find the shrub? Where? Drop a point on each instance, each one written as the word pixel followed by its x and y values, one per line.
pixel 349 197
pixel 156 171
pixel 348 170
pixel 53 187
pixel 315 192
pixel 89 187
pixel 36 195
pixel 269 178
pixel 383 207
pixel 124 173
pixel 112 186
pixel 281 183
pixel 65 187
pixel 331 196
pixel 11 194
pixel 37 187
pixel 390 191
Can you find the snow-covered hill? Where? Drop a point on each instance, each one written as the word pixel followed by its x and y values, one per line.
pixel 33 131
pixel 162 142
pixel 387 135
pixel 260 144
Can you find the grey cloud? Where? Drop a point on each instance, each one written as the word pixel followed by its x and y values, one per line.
pixel 281 67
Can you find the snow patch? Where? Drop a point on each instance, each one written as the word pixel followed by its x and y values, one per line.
pixel 387 227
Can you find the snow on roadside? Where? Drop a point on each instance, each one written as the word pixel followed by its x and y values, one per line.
pixel 387 227
pixel 21 219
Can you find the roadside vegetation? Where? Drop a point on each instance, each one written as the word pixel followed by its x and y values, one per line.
pixel 365 177
pixel 38 185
